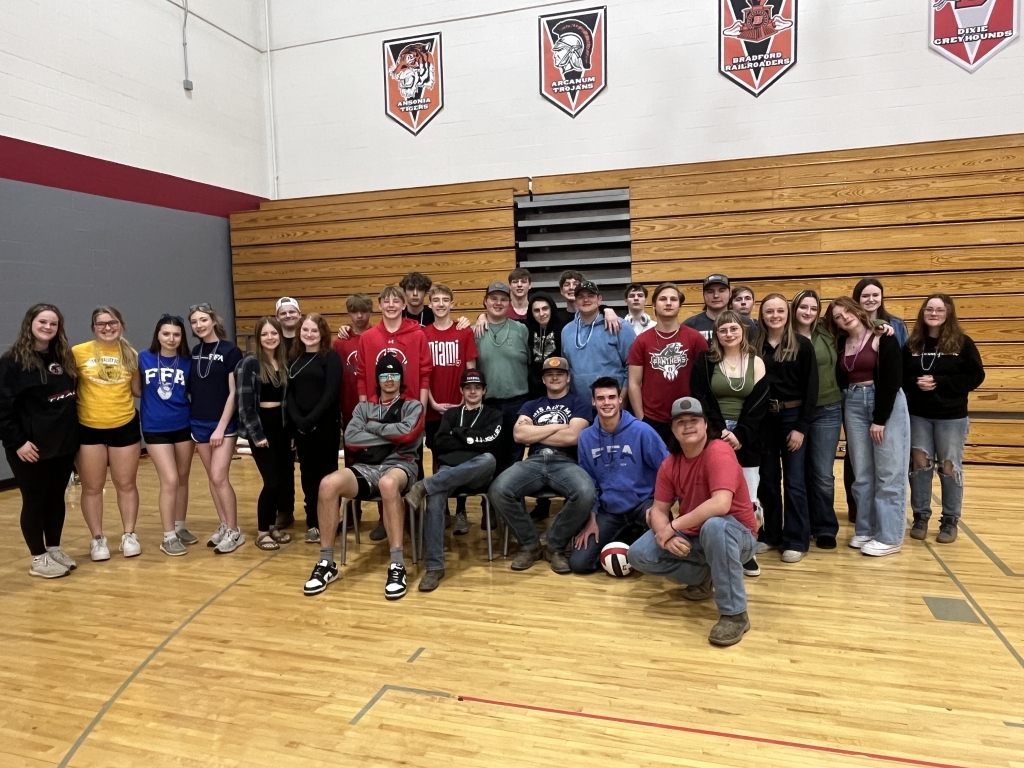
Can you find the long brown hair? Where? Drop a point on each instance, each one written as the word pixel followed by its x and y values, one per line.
pixel 715 351
pixel 267 373
pixel 218 323
pixel 299 349
pixel 855 309
pixel 129 357
pixel 798 300
pixel 23 350
pixel 951 335
pixel 789 346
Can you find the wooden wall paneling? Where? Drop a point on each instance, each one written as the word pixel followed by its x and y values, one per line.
pixel 410 245
pixel 440 265
pixel 519 186
pixel 344 286
pixel 996 401
pixel 1004 432
pixel 984 454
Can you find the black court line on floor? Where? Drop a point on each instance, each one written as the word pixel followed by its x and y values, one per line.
pixel 996 560
pixel 156 651
pixel 415 656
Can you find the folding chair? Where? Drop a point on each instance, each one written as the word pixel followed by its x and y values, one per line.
pixel 353 504
pixel 489 522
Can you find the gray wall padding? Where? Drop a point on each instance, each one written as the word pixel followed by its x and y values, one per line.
pixel 78 251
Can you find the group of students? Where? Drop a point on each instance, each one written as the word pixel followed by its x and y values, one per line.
pixel 622 418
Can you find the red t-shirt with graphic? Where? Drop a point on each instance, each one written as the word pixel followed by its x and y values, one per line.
pixel 667 364
pixel 348 391
pixel 450 350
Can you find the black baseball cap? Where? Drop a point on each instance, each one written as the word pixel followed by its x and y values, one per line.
pixel 716 278
pixel 473 376
pixel 587 285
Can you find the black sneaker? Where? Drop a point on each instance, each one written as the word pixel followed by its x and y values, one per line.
pixel 323 574
pixel 947 531
pixel 919 530
pixel 394 589
pixel 378 533
pixel 826 542
pixel 751 568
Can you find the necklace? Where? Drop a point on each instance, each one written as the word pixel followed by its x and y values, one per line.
pixel 729 379
pixel 663 336
pixel 383 408
pixel 494 334
pixel 579 322
pixel 209 360
pixel 932 357
pixel 292 374
pixel 463 413
pixel 165 389
pixel 860 348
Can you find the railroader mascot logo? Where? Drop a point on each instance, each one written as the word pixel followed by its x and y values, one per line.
pixel 413 80
pixel 573 58
pixel 757 41
pixel 970 32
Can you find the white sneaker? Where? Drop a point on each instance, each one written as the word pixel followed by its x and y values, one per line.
pixel 217 535
pixel 98 549
pixel 793 556
pixel 47 568
pixel 130 545
pixel 878 549
pixel 58 555
pixel 859 541
pixel 231 541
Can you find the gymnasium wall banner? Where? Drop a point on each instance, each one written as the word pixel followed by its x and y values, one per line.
pixel 970 32
pixel 756 41
pixel 413 80
pixel 573 58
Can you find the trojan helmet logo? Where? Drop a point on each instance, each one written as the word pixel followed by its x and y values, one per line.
pixel 757 41
pixel 970 32
pixel 413 80
pixel 573 58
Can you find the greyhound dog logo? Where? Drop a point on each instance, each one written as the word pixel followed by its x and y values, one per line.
pixel 970 32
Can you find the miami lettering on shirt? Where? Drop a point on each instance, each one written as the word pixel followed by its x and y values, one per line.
pixel 446 354
pixel 165 375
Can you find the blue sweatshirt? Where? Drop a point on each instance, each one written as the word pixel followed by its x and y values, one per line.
pixel 593 352
pixel 623 465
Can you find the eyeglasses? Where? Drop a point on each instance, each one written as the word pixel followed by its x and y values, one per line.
pixel 107 326
pixel 204 306
pixel 389 377
pixel 934 311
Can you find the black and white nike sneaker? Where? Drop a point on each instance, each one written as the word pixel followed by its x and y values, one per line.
pixel 323 574
pixel 395 586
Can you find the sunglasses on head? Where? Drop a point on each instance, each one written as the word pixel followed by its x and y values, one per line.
pixel 166 316
pixel 204 306
pixel 389 377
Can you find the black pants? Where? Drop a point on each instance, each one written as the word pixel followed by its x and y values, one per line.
pixel 318 457
pixel 42 486
pixel 848 478
pixel 663 428
pixel 277 467
pixel 508 451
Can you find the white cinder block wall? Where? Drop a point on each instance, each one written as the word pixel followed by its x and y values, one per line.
pixel 864 77
pixel 103 78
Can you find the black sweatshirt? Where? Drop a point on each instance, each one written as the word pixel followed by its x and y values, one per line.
pixel 38 407
pixel 795 379
pixel 312 395
pixel 748 425
pixel 478 433
pixel 888 376
pixel 955 376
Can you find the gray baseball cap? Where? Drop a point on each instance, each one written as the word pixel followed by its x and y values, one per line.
pixel 555 364
pixel 499 286
pixel 688 406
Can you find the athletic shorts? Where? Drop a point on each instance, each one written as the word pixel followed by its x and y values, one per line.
pixel 168 438
pixel 365 490
pixel 202 431
pixel 118 437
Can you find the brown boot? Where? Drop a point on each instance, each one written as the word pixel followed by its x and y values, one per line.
pixel 559 562
pixel 702 591
pixel 415 495
pixel 947 531
pixel 919 530
pixel 729 630
pixel 525 558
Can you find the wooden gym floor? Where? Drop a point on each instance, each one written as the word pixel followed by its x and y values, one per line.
pixel 916 659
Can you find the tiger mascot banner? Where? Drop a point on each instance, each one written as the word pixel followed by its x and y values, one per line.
pixel 573 58
pixel 413 80
pixel 756 41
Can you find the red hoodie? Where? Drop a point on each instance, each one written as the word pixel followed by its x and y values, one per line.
pixel 408 344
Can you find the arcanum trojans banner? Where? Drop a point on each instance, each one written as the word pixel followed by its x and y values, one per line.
pixel 756 41
pixel 970 32
pixel 573 58
pixel 413 80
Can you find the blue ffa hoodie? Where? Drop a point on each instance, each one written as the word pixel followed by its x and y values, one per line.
pixel 623 464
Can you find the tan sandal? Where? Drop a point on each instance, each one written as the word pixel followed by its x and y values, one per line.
pixel 265 541
pixel 280 536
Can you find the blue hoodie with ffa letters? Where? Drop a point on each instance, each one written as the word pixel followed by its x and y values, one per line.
pixel 623 464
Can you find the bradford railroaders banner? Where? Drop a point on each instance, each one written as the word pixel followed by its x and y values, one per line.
pixel 573 58
pixel 970 32
pixel 413 80
pixel 757 41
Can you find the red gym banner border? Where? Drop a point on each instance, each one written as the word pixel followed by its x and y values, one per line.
pixel 574 58
pixel 970 32
pixel 413 80
pixel 756 41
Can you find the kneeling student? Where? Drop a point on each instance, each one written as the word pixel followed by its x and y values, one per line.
pixel 715 532
pixel 385 436
pixel 622 455
pixel 550 425
pixel 465 443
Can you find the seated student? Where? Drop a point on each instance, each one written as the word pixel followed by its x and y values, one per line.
pixel 715 532
pixel 550 425
pixel 385 436
pixel 464 447
pixel 622 456
pixel 591 349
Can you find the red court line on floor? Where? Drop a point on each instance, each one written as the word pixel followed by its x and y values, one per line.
pixel 717 734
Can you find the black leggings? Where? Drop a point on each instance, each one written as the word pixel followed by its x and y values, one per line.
pixel 318 457
pixel 42 486
pixel 277 467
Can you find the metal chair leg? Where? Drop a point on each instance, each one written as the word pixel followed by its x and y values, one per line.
pixel 344 531
pixel 412 531
pixel 485 505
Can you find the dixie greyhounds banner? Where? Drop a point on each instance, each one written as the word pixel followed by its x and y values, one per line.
pixel 413 80
pixel 757 41
pixel 970 32
pixel 573 58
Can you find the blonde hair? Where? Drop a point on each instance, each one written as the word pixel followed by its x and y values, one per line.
pixel 715 351
pixel 218 323
pixel 128 359
pixel 789 346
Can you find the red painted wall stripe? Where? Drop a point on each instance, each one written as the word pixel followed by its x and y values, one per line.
pixel 49 167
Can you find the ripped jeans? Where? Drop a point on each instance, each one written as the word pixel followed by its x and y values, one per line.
pixel 941 440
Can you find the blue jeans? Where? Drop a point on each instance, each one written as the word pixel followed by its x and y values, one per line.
pixel 821 444
pixel 941 440
pixel 470 475
pixel 723 545
pixel 547 470
pixel 625 528
pixel 783 467
pixel 880 470
pixel 751 474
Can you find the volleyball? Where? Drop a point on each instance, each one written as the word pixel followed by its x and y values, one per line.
pixel 613 559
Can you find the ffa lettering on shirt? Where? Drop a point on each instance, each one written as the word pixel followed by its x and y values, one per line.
pixel 621 450
pixel 445 353
pixel 167 374
pixel 213 358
